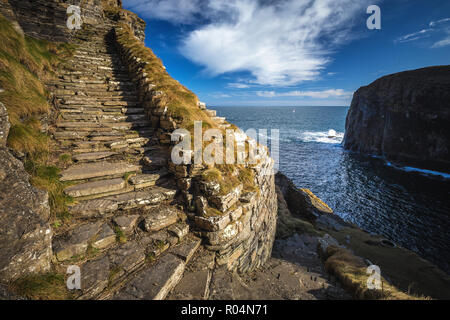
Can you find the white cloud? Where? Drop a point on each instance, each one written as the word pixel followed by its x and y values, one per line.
pixel 175 11
pixel 434 23
pixel 325 94
pixel 442 43
pixel 415 36
pixel 238 85
pixel 279 42
pixel 436 29
pixel 219 95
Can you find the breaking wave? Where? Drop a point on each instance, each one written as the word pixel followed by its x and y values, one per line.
pixel 420 171
pixel 330 136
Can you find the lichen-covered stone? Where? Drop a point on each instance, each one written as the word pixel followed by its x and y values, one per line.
pixel 126 223
pixel 76 242
pixel 94 277
pixel 160 217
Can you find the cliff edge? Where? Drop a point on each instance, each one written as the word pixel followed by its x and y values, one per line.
pixel 405 118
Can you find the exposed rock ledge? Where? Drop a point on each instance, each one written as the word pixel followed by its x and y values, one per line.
pixel 405 118
pixel 25 235
pixel 346 250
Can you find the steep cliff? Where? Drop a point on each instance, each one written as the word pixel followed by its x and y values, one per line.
pixel 405 118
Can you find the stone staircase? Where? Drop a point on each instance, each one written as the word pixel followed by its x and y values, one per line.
pixel 126 232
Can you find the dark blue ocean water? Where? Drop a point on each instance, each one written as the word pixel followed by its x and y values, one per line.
pixel 409 208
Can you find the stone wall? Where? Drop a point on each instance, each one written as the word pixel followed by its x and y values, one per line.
pixel 242 234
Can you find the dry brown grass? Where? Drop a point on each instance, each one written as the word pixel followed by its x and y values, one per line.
pixel 25 63
pixel 351 272
pixel 49 286
pixel 181 102
pixel 404 268
pixel 182 105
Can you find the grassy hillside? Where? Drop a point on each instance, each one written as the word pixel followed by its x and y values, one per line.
pixel 25 64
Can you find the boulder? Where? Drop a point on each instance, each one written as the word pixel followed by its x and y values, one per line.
pixel 404 118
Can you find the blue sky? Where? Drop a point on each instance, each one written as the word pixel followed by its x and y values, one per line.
pixel 291 52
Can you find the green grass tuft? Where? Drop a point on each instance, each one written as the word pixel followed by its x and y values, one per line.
pixel 48 286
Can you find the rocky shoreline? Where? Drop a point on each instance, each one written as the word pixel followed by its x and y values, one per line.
pixel 344 246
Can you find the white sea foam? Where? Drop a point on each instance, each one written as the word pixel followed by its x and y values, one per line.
pixel 421 171
pixel 330 136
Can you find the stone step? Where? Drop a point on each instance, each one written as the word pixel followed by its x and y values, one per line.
pixel 158 280
pixel 104 117
pixel 126 201
pixel 99 110
pixel 91 156
pixel 108 274
pixel 76 242
pixel 95 187
pixel 88 126
pixel 98 169
pixel 145 180
pixel 196 279
pixel 84 100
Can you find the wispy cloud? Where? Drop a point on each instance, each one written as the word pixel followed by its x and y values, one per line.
pixel 238 85
pixel 175 11
pixel 442 43
pixel 324 94
pixel 435 23
pixel 415 36
pixel 220 95
pixel 438 28
pixel 279 42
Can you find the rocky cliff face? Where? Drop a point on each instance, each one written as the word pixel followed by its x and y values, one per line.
pixel 25 235
pixel 47 19
pixel 405 118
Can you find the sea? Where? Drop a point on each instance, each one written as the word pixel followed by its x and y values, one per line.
pixel 407 205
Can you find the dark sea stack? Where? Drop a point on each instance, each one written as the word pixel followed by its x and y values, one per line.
pixel 405 118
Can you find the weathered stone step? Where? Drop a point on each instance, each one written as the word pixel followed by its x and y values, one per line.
pixel 104 117
pixel 196 279
pixel 88 100
pixel 158 280
pixel 75 243
pixel 86 125
pixel 99 110
pixel 104 276
pixel 144 180
pixel 104 87
pixel 67 94
pixel 126 201
pixel 98 169
pixel 91 156
pixel 95 187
